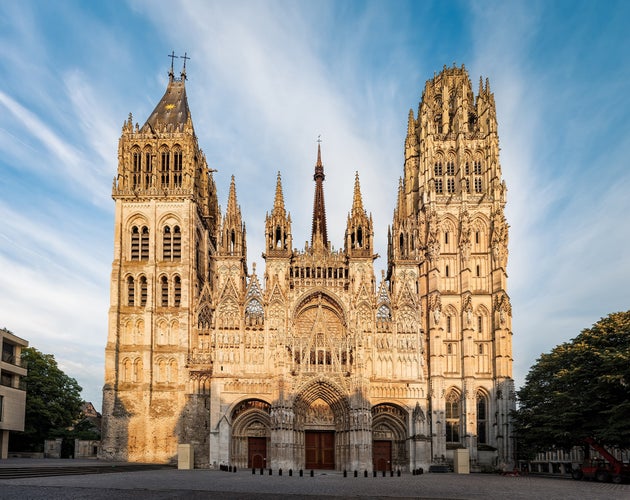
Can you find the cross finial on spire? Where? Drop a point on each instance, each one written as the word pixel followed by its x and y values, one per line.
pixel 319 139
pixel 172 56
pixel 184 57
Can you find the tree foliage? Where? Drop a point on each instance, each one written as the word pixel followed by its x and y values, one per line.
pixel 580 389
pixel 53 401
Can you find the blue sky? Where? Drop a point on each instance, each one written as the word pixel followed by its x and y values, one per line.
pixel 264 80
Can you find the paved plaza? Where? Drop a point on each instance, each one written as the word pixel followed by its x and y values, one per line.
pixel 198 484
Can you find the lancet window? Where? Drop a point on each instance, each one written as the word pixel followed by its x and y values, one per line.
pixel 453 415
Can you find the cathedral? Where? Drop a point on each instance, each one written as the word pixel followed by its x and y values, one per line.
pixel 316 363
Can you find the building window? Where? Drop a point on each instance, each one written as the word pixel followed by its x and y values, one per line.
pixel 167 243
pixel 1 404
pixel 177 243
pixel 482 418
pixel 177 168
pixel 478 271
pixel 438 186
pixel 165 168
pixel 448 323
pixel 164 290
pixel 144 244
pixel 480 324
pixel 137 169
pixel 135 243
pixel 177 289
pixel 450 168
pixel 131 291
pixel 478 185
pixel 148 169
pixel 143 291
pixel 467 168
pixel 437 168
pixel 450 185
pixel 477 168
pixel 452 417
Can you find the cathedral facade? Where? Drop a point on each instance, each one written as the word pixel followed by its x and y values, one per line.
pixel 316 364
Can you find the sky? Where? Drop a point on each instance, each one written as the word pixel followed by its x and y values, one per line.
pixel 265 79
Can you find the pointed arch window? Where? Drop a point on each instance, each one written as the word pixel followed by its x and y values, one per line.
pixel 439 186
pixel 360 237
pixel 164 291
pixel 278 237
pixel 167 243
pixel 177 168
pixel 482 418
pixel 177 243
pixel 144 244
pixel 450 185
pixel 131 291
pixel 453 415
pixel 477 167
pixel 135 243
pixel 437 169
pixel 137 169
pixel 148 169
pixel 143 291
pixel 478 185
pixel 165 167
pixel 177 291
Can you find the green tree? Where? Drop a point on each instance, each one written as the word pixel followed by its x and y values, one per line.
pixel 580 389
pixel 53 402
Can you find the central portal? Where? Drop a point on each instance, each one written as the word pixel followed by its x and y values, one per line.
pixel 320 449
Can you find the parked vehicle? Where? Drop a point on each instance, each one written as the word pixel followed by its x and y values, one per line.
pixel 603 470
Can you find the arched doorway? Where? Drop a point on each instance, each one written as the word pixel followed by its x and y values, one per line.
pixel 389 437
pixel 250 434
pixel 322 426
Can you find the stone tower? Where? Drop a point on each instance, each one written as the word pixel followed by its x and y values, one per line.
pixel 313 364
pixel 166 225
pixel 448 243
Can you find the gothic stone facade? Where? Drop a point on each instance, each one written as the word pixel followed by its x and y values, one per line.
pixel 323 366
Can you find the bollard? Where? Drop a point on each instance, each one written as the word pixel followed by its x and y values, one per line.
pixel 374 473
pixel 290 472
pixel 365 473
pixel 398 472
pixel 234 469
pixel 253 470
pixel 279 472
pixel 301 472
pixel 391 473
pixel 420 471
pixel 356 473
pixel 312 473
pixel 261 471
pixel 383 472
pixel 345 473
pixel 270 472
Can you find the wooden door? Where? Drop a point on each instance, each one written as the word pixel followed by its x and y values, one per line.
pixel 256 452
pixel 382 455
pixel 320 449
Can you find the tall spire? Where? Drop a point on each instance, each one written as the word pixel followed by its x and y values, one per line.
pixel 319 232
pixel 357 202
pixel 278 203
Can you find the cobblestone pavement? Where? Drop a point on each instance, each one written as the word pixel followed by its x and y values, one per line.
pixel 197 484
